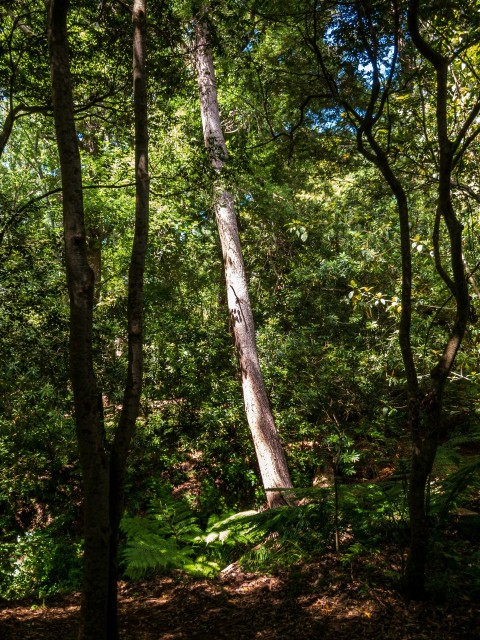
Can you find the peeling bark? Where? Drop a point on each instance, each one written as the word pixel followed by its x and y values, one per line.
pixel 270 454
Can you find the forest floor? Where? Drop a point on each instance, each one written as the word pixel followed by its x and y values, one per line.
pixel 321 601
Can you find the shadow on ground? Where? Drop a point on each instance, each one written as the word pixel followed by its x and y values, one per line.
pixel 250 607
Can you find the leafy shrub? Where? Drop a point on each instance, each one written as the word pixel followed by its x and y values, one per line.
pixel 276 538
pixel 39 563
pixel 170 537
pixel 375 511
pixel 456 476
pixel 454 568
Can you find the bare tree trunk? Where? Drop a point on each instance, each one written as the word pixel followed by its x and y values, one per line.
pixel 429 423
pixel 425 421
pixel 133 388
pixel 269 450
pixel 103 474
pixel 80 279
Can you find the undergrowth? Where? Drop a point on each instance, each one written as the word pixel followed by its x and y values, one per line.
pixel 370 521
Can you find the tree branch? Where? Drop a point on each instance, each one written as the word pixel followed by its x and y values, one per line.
pixel 420 43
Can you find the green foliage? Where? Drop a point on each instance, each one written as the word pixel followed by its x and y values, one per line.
pixel 454 566
pixel 276 538
pixel 290 535
pixel 369 515
pixel 39 563
pixel 321 242
pixel 169 537
pixel 373 513
pixel 456 475
pixel 341 449
pixel 458 484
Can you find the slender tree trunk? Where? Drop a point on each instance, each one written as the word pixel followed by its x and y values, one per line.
pixel 425 399
pixel 103 475
pixel 427 419
pixel 269 450
pixel 425 402
pixel 131 399
pixel 80 279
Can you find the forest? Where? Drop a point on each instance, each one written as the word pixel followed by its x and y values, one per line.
pixel 239 298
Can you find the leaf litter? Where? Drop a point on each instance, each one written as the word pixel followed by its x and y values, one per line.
pixel 317 601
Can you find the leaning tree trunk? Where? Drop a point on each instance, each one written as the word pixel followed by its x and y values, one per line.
pixel 80 279
pixel 133 388
pixel 269 450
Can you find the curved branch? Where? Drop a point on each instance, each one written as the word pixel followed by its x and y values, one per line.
pixel 419 41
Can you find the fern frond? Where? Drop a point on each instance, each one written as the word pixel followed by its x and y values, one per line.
pixel 148 551
pixel 449 490
pixel 167 538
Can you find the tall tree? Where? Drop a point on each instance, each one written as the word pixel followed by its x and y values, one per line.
pixel 365 95
pixel 270 454
pixel 80 279
pixel 133 388
pixel 103 465
pixel 428 422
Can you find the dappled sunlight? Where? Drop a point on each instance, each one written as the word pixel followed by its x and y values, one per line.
pixel 320 600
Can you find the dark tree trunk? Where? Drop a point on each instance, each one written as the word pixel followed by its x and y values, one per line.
pixel 426 414
pixel 425 417
pixel 94 256
pixel 80 279
pixel 426 400
pixel 103 474
pixel 269 450
pixel 133 388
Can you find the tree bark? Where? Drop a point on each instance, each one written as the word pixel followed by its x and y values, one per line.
pixel 270 454
pixel 426 399
pixel 103 471
pixel 427 418
pixel 133 388
pixel 80 279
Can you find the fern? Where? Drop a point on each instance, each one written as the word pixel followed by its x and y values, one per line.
pixel 449 454
pixel 276 537
pixel 169 537
pixel 148 548
pixel 455 471
pixel 232 529
pixel 175 519
pixel 449 490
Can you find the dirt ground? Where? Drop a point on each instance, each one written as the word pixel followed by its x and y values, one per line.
pixel 306 604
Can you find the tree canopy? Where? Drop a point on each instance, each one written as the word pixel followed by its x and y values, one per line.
pixel 342 140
